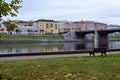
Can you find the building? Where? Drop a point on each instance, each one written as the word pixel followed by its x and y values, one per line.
pixel 83 25
pixel 61 25
pixel 99 26
pixel 47 26
pixel 113 27
pixel 26 30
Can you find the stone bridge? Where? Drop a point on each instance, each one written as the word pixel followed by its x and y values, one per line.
pixel 101 36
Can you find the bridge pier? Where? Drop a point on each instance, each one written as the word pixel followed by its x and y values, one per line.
pixel 69 36
pixel 96 39
pixel 100 36
pixel 101 40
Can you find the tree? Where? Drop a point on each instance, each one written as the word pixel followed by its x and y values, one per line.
pixel 17 31
pixel 2 29
pixel 30 23
pixel 9 8
pixel 29 31
pixel 10 27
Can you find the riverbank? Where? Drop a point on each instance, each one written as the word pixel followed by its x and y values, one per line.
pixel 13 56
pixel 66 68
pixel 31 37
pixel 35 41
pixel 26 39
pixel 42 37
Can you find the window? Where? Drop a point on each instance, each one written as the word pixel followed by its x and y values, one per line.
pixel 51 25
pixel 47 26
pixel 56 27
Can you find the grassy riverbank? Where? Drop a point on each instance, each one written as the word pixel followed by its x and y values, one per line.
pixel 114 37
pixel 31 37
pixel 69 68
pixel 42 37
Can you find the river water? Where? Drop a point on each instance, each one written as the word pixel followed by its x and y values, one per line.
pixel 52 47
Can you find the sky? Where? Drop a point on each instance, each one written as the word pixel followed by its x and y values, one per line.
pixel 105 11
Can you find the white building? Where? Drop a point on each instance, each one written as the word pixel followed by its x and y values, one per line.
pixel 27 30
pixel 113 27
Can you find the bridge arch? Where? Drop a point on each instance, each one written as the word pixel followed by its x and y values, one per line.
pixel 101 36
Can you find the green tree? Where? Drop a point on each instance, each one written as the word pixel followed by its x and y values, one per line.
pixel 30 23
pixel 9 8
pixel 2 29
pixel 10 27
pixel 17 31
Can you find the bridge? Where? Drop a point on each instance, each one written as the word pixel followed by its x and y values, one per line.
pixel 100 36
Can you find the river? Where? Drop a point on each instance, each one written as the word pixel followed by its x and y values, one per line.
pixel 52 47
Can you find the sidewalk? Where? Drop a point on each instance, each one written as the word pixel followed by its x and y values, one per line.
pixel 50 56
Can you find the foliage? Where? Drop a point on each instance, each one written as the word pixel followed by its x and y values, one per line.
pixel 17 31
pixel 10 27
pixel 29 31
pixel 68 68
pixel 30 23
pixel 114 37
pixel 9 8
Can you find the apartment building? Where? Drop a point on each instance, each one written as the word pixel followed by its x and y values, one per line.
pixel 114 27
pixel 83 25
pixel 47 26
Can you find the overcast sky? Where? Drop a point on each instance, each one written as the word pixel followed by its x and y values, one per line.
pixel 106 11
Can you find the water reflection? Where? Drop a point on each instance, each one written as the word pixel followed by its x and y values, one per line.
pixel 30 48
pixel 52 47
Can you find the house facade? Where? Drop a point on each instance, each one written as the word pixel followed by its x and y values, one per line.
pixel 114 27
pixel 83 25
pixel 47 26
pixel 26 30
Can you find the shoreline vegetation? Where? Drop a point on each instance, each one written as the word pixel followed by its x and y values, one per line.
pixel 42 37
pixel 66 68
pixel 31 37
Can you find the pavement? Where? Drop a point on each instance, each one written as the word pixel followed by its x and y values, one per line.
pixel 50 56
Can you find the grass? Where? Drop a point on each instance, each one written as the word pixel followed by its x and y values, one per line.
pixel 42 37
pixel 68 68
pixel 114 37
pixel 32 37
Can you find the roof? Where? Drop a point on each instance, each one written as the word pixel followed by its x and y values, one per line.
pixel 45 20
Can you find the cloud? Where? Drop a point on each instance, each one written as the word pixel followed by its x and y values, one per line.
pixel 100 10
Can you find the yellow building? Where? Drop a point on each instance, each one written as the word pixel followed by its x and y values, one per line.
pixel 47 26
